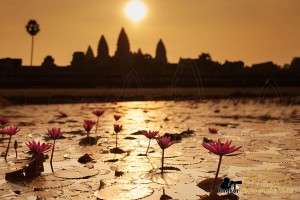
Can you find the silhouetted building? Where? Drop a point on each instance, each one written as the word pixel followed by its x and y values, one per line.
pixel 123 48
pixel 139 52
pixel 161 54
pixel 295 64
pixel 207 66
pixel 10 63
pixel 103 51
pixel 78 59
pixel 107 71
pixel 48 62
pixel 233 68
pixel 265 68
pixel 89 55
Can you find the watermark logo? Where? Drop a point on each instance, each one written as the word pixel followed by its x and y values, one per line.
pixel 266 182
pixel 229 186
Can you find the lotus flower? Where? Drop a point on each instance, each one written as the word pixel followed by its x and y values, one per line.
pixel 37 147
pixel 150 135
pixel 117 128
pixel 213 130
pixel 117 117
pixel 98 113
pixel 3 121
pixel 220 149
pixel 88 125
pixel 11 130
pixel 164 142
pixel 54 133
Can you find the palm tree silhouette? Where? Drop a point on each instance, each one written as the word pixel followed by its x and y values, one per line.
pixel 32 28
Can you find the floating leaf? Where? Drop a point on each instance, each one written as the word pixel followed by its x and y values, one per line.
pixel 172 178
pixel 40 194
pixel 207 183
pixel 182 160
pixel 168 154
pixel 268 157
pixel 136 167
pixel 76 173
pixel 47 182
pixel 124 192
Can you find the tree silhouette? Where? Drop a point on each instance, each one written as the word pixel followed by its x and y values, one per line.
pixel 32 28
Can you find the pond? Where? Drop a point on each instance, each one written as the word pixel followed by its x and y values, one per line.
pixel 267 165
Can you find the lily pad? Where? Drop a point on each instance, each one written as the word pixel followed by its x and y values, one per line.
pixel 124 192
pixel 268 157
pixel 172 178
pixel 76 173
pixel 47 182
pixel 136 167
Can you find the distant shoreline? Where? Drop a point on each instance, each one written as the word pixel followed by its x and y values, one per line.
pixel 84 95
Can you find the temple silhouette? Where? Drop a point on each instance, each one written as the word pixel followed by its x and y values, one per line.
pixel 88 69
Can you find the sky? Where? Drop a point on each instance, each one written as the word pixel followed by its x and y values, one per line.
pixel 253 31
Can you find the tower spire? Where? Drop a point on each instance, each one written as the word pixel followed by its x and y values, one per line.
pixel 161 54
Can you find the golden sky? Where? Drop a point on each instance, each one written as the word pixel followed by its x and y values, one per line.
pixel 250 30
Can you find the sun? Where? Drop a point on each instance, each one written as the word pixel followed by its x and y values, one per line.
pixel 135 10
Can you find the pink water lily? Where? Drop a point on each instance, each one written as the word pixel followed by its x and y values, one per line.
pixel 117 128
pixel 98 113
pixel 164 142
pixel 11 130
pixel 3 121
pixel 117 117
pixel 221 149
pixel 150 135
pixel 213 130
pixel 88 125
pixel 37 147
pixel 54 133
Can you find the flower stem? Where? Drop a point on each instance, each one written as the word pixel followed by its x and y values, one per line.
pixel 7 147
pixel 96 127
pixel 162 161
pixel 215 181
pixel 16 146
pixel 116 140
pixel 148 146
pixel 52 156
pixel 87 137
